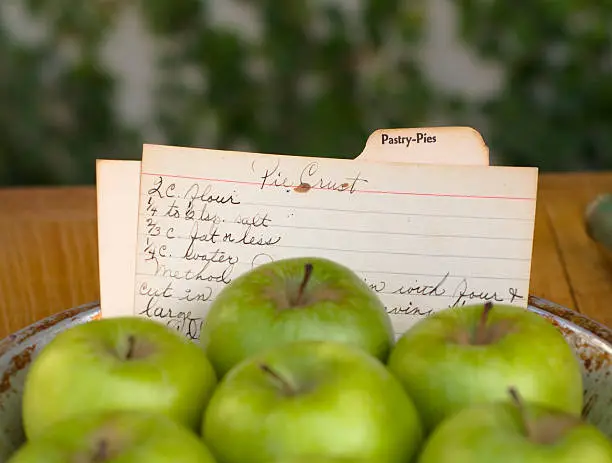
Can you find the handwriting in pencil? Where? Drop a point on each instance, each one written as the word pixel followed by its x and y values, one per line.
pixel 216 256
pixel 206 194
pixel 465 295
pixel 255 221
pixel 410 310
pixel 206 272
pixel 273 176
pixel 197 236
pixel 432 289
pixel 181 321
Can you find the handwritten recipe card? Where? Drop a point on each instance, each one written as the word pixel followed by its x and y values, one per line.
pixel 423 236
pixel 118 186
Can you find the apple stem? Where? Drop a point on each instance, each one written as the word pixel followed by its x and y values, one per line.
pixel 517 400
pixel 481 331
pixel 101 454
pixel 286 386
pixel 307 274
pixel 130 351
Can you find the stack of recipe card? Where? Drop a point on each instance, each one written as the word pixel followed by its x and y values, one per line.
pixel 419 214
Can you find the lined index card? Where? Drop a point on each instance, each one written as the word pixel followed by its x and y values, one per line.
pixel 424 237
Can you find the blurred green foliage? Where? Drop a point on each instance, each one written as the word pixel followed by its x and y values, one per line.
pixel 555 108
pixel 317 81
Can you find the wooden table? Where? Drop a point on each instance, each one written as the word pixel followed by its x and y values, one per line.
pixel 48 250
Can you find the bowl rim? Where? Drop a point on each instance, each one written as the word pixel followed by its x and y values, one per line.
pixel 90 310
pixel 578 321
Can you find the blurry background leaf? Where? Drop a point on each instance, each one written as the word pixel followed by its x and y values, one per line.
pixel 555 108
pixel 298 77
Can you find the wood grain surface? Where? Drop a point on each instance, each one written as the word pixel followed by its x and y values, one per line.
pixel 49 256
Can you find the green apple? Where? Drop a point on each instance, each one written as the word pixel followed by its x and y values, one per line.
pixel 291 300
pixel 322 459
pixel 462 356
pixel 515 432
pixel 115 437
pixel 306 398
pixel 114 364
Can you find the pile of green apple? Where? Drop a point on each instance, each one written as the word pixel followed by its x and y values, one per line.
pixel 298 364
